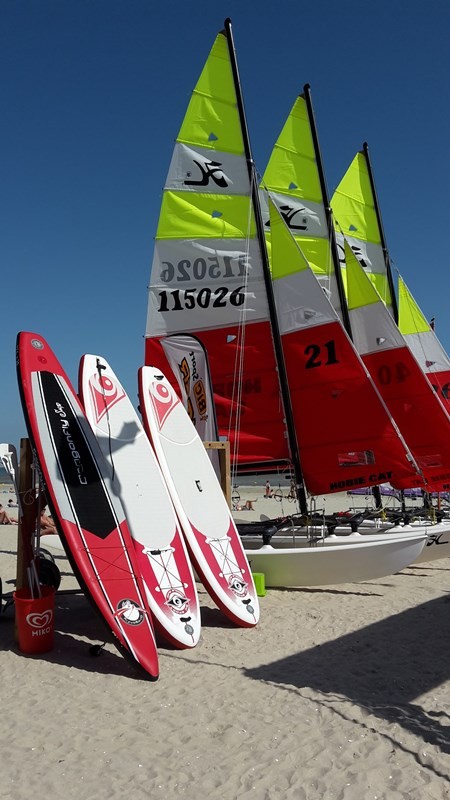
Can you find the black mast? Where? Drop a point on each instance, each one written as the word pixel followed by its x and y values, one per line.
pixel 328 211
pixel 267 279
pixel 376 492
pixel 387 260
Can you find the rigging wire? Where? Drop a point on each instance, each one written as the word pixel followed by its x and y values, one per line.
pixel 238 376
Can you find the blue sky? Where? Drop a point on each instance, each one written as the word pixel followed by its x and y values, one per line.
pixel 93 93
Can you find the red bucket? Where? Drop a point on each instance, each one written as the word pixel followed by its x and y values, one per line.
pixel 35 620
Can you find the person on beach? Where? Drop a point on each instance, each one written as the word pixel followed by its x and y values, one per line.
pixel 5 519
pixel 269 491
pixel 46 525
pixel 248 506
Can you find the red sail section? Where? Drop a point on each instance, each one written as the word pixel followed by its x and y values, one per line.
pixel 440 382
pixel 249 410
pixel 419 413
pixel 346 437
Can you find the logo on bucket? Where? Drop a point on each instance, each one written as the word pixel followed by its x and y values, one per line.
pixel 40 622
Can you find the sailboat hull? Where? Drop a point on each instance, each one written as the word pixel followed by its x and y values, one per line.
pixel 295 567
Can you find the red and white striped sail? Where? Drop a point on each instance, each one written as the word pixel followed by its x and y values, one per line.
pixel 416 408
pixel 424 344
pixel 207 275
pixel 346 436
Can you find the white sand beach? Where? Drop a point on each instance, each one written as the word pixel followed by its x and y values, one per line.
pixel 339 693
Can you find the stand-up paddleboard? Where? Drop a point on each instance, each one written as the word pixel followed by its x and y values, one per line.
pixel 89 515
pixel 213 541
pixel 160 550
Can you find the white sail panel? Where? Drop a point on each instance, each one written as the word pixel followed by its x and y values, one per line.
pixel 428 351
pixel 205 285
pixel 374 331
pixel 302 217
pixel 200 170
pixel 301 303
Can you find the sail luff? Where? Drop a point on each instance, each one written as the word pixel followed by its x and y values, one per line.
pixel 328 210
pixel 387 259
pixel 293 445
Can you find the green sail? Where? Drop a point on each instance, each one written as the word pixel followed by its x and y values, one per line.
pixel 411 320
pixel 355 216
pixel 293 179
pixel 207 278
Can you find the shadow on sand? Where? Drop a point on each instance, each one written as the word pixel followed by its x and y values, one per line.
pixel 74 618
pixel 382 668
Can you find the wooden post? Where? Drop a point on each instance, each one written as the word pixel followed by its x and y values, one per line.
pixel 223 449
pixel 27 519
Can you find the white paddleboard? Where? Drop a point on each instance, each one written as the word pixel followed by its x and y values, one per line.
pixel 159 546
pixel 213 541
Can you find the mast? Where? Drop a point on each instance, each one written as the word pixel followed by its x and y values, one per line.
pixel 387 260
pixel 376 492
pixel 328 211
pixel 267 278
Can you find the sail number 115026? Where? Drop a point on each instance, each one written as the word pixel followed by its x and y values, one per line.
pixel 181 299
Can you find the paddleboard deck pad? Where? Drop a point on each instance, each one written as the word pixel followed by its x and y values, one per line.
pixel 88 513
pixel 211 535
pixel 159 545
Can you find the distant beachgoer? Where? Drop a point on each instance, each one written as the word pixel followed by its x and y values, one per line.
pixel 5 519
pixel 269 491
pixel 11 503
pixel 47 526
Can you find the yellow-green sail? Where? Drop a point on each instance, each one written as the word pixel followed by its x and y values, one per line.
pixel 292 177
pixel 355 218
pixel 207 276
pixel 423 343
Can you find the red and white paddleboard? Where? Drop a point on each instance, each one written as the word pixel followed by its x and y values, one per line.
pixel 135 473
pixel 87 510
pixel 213 541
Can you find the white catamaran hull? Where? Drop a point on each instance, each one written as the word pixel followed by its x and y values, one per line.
pixel 437 544
pixel 335 563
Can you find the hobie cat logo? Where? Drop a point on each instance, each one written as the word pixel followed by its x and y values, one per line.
pixel 294 222
pixel 210 170
pixel 105 394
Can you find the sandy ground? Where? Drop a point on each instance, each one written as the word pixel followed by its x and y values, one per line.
pixel 338 693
